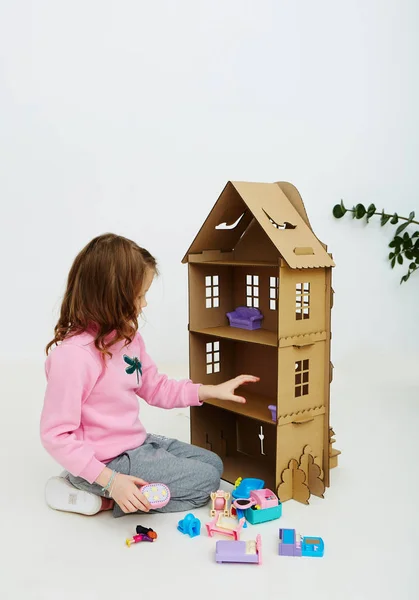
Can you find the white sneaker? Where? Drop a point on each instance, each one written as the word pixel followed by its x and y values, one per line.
pixel 61 495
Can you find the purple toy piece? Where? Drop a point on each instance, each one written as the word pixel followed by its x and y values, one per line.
pixel 239 552
pixel 272 408
pixel 289 543
pixel 245 317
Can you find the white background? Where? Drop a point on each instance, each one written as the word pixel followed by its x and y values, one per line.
pixel 130 117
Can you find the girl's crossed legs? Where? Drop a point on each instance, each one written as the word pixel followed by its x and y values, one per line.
pixel 191 473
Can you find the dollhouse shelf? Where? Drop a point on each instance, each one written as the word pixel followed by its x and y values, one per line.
pixel 258 336
pixel 256 407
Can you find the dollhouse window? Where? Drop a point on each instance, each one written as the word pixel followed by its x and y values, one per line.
pixel 302 301
pixel 213 357
pixel 301 378
pixel 252 291
pixel 212 291
pixel 273 292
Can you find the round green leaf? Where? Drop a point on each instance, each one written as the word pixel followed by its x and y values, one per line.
pixel 338 211
pixel 395 219
pixel 360 211
pixel 400 259
pixel 412 266
pixel 384 218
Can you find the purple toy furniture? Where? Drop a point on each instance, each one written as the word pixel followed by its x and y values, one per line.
pixel 245 318
pixel 239 552
pixel 272 408
pixel 293 544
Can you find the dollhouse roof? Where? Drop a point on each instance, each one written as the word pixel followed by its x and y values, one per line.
pixel 277 208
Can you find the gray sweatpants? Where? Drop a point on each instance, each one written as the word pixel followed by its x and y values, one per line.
pixel 191 473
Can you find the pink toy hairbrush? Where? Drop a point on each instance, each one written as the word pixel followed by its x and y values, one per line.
pixel 158 494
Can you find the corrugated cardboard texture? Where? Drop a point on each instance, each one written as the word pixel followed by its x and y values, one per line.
pixel 294 436
pixel 293 484
pixel 224 432
pixel 257 246
pixel 239 203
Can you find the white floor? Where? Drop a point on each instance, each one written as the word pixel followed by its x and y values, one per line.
pixel 368 519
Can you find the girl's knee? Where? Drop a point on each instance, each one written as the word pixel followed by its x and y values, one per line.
pixel 218 464
pixel 211 479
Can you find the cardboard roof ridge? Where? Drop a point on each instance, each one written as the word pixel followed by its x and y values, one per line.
pixel 277 208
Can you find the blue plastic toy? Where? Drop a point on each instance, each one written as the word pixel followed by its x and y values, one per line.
pixel 293 544
pixel 190 525
pixel 246 486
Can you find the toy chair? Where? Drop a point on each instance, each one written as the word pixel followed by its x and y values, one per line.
pixel 219 500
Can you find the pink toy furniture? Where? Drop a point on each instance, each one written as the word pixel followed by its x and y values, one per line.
pixel 220 500
pixel 216 526
pixel 264 498
pixel 239 552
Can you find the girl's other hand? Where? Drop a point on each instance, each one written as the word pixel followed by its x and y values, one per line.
pixel 225 391
pixel 126 494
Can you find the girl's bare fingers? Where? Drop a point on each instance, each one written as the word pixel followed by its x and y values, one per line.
pixel 248 378
pixel 234 398
pixel 140 501
pixel 143 500
pixel 130 506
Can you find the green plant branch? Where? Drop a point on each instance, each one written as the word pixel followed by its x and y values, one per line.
pixel 388 215
pixel 404 247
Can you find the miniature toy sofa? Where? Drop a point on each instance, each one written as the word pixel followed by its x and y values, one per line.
pixel 245 318
pixel 239 552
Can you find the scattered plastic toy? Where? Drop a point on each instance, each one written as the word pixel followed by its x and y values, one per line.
pixel 265 507
pixel 220 503
pixel 239 552
pixel 293 544
pixel 146 531
pixel 190 525
pixel 243 487
pixel 217 526
pixel 141 537
pixel 158 494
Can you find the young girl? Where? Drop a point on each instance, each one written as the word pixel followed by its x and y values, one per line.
pixel 95 372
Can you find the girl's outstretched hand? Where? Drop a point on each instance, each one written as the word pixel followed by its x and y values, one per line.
pixel 126 494
pixel 225 391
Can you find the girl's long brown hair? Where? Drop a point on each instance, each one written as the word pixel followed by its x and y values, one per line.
pixel 103 286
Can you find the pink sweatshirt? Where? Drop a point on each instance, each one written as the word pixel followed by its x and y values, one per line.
pixel 90 412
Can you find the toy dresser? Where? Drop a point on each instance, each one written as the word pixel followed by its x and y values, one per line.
pixel 269 507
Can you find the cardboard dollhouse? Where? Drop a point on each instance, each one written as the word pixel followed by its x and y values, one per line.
pixel 257 250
